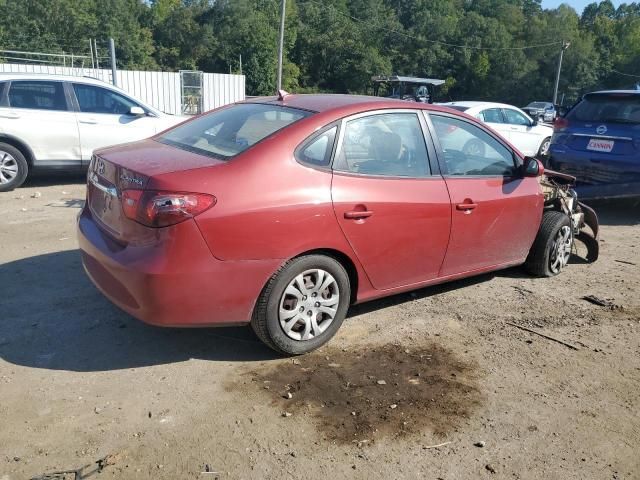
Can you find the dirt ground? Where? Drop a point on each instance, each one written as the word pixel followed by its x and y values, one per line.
pixel 433 385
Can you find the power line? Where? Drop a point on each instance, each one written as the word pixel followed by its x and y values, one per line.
pixel 625 74
pixel 437 42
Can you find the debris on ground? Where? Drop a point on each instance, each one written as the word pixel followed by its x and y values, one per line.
pixel 602 302
pixel 548 337
pixel 80 473
pixel 427 447
pixel 625 262
pixel 480 444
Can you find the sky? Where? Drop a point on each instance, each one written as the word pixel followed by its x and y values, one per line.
pixel 578 5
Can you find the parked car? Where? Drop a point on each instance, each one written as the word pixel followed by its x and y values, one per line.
pixel 283 211
pixel 598 141
pixel 53 122
pixel 544 111
pixel 521 130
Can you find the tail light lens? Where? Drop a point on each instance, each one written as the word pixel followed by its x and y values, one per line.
pixel 560 124
pixel 161 209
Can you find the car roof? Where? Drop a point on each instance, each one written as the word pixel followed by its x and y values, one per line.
pixel 476 104
pixel 49 76
pixel 326 102
pixel 636 92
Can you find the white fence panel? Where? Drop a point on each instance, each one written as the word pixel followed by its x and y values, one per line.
pixel 161 90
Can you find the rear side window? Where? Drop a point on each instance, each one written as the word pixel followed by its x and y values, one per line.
pixel 230 131
pixel 610 108
pixel 317 151
pixel 102 100
pixel 37 95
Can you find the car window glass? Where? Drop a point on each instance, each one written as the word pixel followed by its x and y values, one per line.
pixel 3 97
pixel 93 99
pixel 613 108
pixel 514 117
pixel 492 115
pixel 469 150
pixel 226 132
pixel 37 95
pixel 390 144
pixel 318 151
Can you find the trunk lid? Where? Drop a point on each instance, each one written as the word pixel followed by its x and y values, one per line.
pixel 130 167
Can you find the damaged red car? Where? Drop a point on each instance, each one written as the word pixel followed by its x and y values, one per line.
pixel 281 212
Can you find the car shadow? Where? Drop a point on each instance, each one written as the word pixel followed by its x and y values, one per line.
pixel 48 179
pixel 621 212
pixel 52 317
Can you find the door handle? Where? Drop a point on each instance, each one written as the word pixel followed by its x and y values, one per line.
pixel 358 214
pixel 466 206
pixel 89 121
pixel 10 115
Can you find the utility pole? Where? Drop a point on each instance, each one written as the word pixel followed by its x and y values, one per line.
pixel 93 65
pixel 112 51
pixel 281 44
pixel 565 45
pixel 95 47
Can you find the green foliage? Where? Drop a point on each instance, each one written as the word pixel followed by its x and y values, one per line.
pixel 337 45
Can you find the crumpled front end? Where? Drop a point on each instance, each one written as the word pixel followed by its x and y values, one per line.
pixel 559 194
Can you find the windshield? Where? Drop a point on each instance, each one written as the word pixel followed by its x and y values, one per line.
pixel 538 105
pixel 613 108
pixel 227 132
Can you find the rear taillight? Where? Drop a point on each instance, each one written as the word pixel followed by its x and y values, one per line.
pixel 560 124
pixel 161 209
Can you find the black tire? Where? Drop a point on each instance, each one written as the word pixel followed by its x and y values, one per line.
pixel 541 154
pixel 543 255
pixel 16 159
pixel 266 321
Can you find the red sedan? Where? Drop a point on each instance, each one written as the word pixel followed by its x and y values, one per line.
pixel 282 212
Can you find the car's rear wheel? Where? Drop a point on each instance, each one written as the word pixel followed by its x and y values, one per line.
pixel 552 247
pixel 13 167
pixel 543 152
pixel 303 305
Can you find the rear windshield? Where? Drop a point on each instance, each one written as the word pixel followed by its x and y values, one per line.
pixel 457 107
pixel 612 108
pixel 538 105
pixel 230 131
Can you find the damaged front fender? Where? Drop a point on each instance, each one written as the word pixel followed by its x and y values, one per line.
pixel 559 195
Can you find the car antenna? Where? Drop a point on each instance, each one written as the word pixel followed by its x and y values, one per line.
pixel 282 94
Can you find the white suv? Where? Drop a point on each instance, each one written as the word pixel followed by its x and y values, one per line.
pixel 55 122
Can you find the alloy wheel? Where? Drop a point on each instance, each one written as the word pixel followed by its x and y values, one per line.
pixel 561 249
pixel 8 167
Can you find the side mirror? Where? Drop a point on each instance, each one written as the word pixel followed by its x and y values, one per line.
pixel 562 111
pixel 136 111
pixel 534 121
pixel 532 167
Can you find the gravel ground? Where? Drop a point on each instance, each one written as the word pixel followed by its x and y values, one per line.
pixel 434 384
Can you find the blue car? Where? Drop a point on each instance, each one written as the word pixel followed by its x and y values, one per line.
pixel 598 142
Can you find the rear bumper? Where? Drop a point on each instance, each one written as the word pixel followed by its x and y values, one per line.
pixel 595 180
pixel 175 281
